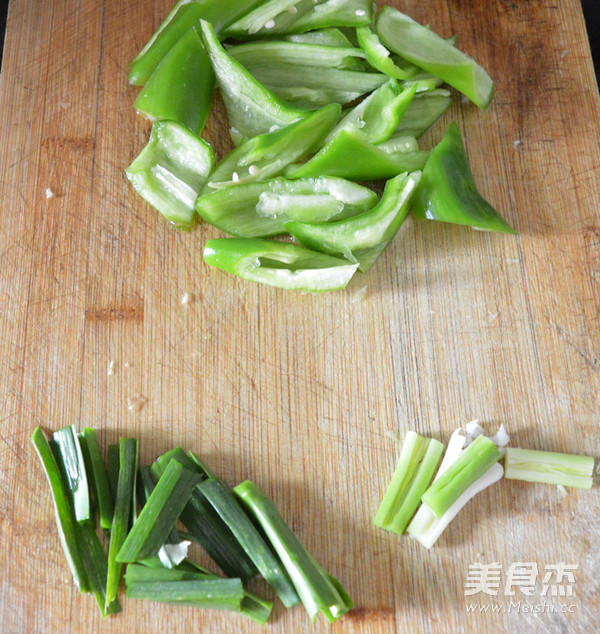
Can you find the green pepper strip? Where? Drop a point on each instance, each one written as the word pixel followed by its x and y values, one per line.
pixel 227 506
pixel 281 17
pixel 98 478
pixel 379 114
pixel 362 238
pixel 181 87
pixel 267 155
pixel 171 170
pixel 429 51
pixel 159 515
pixel 271 52
pixel 314 586
pixel 255 210
pixel 324 37
pixel 205 525
pixel 279 264
pixel 63 508
pixel 181 18
pixel 252 108
pixel 447 190
pixel 424 110
pixel 350 155
pixel 379 57
pixel 312 86
pixel 128 457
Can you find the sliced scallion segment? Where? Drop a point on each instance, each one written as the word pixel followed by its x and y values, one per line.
pixel 318 591
pixel 479 456
pixel 415 469
pixel 96 567
pixel 112 470
pixel 159 515
pixel 70 460
pixel 128 458
pixel 97 475
pixel 550 467
pixel 226 505
pixel 65 517
pixel 205 525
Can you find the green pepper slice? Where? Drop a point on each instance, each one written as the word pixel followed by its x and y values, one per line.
pixel 362 238
pixel 252 108
pixel 181 87
pixel 426 49
pixel 424 110
pixel 380 58
pixel 171 170
pixel 351 155
pixel 447 190
pixel 267 155
pixel 184 15
pixel 255 210
pixel 279 264
pixel 280 17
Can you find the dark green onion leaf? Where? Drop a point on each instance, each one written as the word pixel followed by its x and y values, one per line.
pixel 160 513
pixel 318 591
pixel 231 513
pixel 97 475
pixel 128 458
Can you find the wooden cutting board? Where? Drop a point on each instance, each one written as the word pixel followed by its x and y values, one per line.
pixel 307 395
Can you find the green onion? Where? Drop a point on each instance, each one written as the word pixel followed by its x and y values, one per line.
pixel 472 463
pixel 549 467
pixel 205 525
pixel 418 460
pixel 128 458
pixel 252 606
pixel 218 594
pixel 159 515
pixel 69 458
pixel 318 591
pixel 98 478
pixel 96 567
pixel 65 517
pixel 112 470
pixel 250 539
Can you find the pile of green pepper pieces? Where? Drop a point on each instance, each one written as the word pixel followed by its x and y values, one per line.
pixel 319 94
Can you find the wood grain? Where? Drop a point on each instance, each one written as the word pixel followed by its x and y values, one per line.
pixel 307 395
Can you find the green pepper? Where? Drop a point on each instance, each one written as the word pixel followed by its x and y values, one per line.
pixel 279 264
pixel 271 52
pixel 255 210
pixel 252 108
pixel 447 190
pixel 267 155
pixel 424 110
pixel 314 86
pixel 399 143
pixel 181 87
pixel 171 170
pixel 426 49
pixel 379 57
pixel 280 17
pixel 351 155
pixel 379 114
pixel 324 37
pixel 362 238
pixel 184 15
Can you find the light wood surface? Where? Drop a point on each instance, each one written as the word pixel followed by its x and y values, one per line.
pixel 306 395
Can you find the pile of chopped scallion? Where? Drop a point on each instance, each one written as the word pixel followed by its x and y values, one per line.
pixel 424 505
pixel 140 511
pixel 319 94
